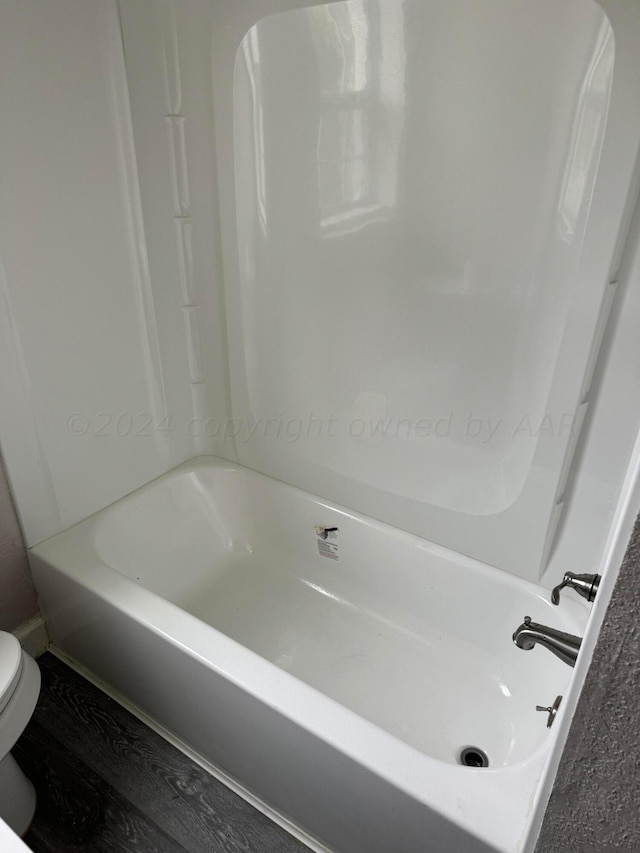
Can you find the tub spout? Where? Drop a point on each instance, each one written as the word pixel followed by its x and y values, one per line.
pixel 562 645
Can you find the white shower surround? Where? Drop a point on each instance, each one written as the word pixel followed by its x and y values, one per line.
pixel 157 393
pixel 92 415
pixel 426 321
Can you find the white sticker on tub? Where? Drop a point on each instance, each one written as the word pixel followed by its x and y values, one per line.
pixel 326 547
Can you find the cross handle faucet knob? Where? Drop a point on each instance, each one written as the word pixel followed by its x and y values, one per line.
pixel 552 710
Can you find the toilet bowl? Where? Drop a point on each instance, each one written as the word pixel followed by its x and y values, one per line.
pixel 19 690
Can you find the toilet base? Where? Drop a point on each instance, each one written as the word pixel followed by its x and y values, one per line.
pixel 17 796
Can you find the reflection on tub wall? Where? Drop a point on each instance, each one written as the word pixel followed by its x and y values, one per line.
pixel 399 193
pixel 467 195
pixel 412 184
pixel 361 112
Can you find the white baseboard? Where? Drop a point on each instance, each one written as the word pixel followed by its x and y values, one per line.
pixel 33 636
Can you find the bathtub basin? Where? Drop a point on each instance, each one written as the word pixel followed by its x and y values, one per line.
pixel 335 666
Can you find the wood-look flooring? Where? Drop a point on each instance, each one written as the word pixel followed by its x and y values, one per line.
pixel 106 782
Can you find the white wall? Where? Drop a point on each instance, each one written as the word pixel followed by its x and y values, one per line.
pixel 449 274
pixel 17 594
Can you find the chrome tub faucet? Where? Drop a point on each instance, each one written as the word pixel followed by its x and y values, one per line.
pixel 562 645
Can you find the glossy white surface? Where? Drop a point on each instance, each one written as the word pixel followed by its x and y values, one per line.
pixel 10 841
pixel 17 712
pixel 411 209
pixel 10 666
pixel 96 383
pixel 611 428
pixel 17 796
pixel 405 643
pixel 86 331
pixel 393 611
pixel 416 255
pixel 128 375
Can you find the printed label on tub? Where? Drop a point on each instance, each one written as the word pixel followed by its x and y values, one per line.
pixel 326 538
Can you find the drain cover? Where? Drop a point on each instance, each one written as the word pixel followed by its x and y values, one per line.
pixel 473 756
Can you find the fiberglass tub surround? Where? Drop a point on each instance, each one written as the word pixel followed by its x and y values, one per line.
pixel 366 250
pixel 412 184
pixel 225 566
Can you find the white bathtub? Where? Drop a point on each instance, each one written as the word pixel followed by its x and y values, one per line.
pixel 339 692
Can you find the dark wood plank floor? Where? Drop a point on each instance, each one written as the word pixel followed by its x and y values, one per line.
pixel 108 783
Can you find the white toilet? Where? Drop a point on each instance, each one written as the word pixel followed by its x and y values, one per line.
pixel 19 690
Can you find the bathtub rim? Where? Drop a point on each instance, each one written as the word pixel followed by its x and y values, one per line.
pixel 422 777
pixel 578 609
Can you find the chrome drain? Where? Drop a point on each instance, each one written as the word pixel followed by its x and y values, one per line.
pixel 473 756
